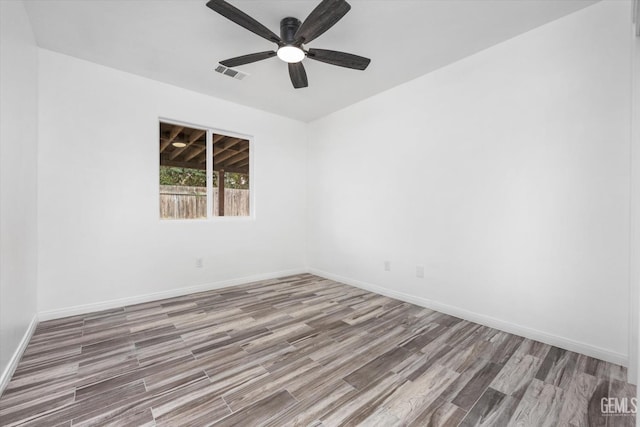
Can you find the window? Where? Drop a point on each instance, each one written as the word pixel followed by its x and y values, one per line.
pixel 231 176
pixel 203 173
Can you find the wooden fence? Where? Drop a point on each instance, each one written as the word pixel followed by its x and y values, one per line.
pixel 182 202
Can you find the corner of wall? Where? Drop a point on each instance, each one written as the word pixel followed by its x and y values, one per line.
pixel 10 368
pixel 634 264
pixel 18 185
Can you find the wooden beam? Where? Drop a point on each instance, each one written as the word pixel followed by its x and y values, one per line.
pixel 164 161
pixel 245 146
pixel 201 158
pixel 223 146
pixel 224 156
pixel 237 158
pixel 221 192
pixel 243 163
pixel 195 135
pixel 166 138
pixel 194 153
pixel 174 133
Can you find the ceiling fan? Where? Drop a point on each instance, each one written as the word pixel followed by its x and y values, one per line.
pixel 293 36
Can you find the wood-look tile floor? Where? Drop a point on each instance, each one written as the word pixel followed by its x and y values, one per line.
pixel 299 350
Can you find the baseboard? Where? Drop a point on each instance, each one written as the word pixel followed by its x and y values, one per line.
pixel 492 322
pixel 547 338
pixel 17 355
pixel 121 302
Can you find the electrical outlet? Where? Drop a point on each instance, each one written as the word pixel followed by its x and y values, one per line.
pixel 387 266
pixel 420 271
pixel 199 263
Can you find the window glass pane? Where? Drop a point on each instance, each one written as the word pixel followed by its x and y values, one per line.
pixel 231 161
pixel 183 174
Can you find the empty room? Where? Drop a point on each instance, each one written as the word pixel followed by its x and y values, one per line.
pixel 319 212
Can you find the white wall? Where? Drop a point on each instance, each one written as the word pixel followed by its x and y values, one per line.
pixel 18 145
pixel 100 238
pixel 634 347
pixel 505 174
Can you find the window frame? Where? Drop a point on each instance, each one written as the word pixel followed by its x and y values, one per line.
pixel 210 131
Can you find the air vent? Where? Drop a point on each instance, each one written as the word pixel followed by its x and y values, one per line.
pixel 238 75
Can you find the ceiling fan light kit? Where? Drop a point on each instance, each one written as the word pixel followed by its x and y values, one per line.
pixel 291 54
pixel 293 34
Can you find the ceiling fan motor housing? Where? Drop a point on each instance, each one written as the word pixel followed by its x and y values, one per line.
pixel 288 28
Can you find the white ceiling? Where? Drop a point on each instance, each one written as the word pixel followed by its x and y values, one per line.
pixel 181 41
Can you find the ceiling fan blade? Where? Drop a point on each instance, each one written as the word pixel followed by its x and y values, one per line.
pixel 323 17
pixel 239 17
pixel 247 59
pixel 341 59
pixel 298 75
